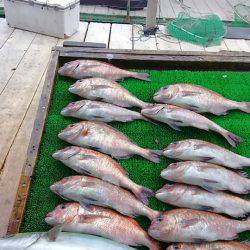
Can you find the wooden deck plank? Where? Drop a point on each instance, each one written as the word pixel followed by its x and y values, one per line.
pixel 212 4
pixel 79 36
pixel 237 45
pixel 176 7
pixel 98 33
pixel 12 53
pixel 10 176
pixel 89 9
pixel 166 9
pixel 141 42
pixel 217 48
pixel 185 46
pixel 227 9
pixel 164 42
pixel 21 88
pixel 5 31
pixel 121 36
pixel 202 7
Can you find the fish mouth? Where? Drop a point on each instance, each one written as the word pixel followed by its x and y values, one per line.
pixel 75 87
pixel 49 219
pixel 60 71
pixel 66 153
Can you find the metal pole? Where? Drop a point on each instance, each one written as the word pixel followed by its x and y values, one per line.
pixel 128 8
pixel 151 14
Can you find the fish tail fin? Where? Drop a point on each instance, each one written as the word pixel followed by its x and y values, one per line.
pixel 244 225
pixel 244 106
pixel 148 120
pixel 232 139
pixel 152 155
pixel 154 244
pixel 143 193
pixel 141 76
pixel 154 214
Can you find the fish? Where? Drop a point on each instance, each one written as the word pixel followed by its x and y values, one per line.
pixel 91 191
pixel 80 69
pixel 54 239
pixel 198 99
pixel 182 195
pixel 89 162
pixel 177 117
pixel 104 90
pixel 104 138
pixel 100 111
pixel 194 226
pixel 198 150
pixel 219 245
pixel 208 176
pixel 101 222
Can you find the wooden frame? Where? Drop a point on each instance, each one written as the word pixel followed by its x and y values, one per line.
pixel 125 59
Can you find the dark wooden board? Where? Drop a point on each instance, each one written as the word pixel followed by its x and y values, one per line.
pixel 124 59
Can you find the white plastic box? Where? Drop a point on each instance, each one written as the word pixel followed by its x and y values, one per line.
pixel 59 18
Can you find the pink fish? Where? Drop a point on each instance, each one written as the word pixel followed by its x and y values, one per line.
pixel 92 191
pixel 198 99
pixel 92 163
pixel 80 69
pixel 208 176
pixel 102 222
pixel 219 245
pixel 177 117
pixel 105 90
pixel 104 138
pixel 187 225
pixel 188 196
pixel 197 150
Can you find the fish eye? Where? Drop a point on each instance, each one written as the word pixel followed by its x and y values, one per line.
pixel 63 206
pixel 160 218
pixel 175 246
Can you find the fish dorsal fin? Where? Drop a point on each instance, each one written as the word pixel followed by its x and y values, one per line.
pixel 53 233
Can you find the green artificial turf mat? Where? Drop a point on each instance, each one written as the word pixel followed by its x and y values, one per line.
pixel 234 85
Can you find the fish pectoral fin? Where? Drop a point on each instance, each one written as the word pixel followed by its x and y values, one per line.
pixel 207 185
pixel 53 233
pixel 91 218
pixel 205 158
pixel 198 240
pixel 174 126
pixel 193 108
pixel 206 208
pixel 190 93
pixel 96 87
pixel 188 223
pixel 87 157
pixel 242 174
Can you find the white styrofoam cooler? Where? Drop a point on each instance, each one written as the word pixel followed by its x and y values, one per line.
pixel 59 18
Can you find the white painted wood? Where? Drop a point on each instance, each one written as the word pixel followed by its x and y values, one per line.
pixel 114 12
pixel 237 45
pixel 217 48
pixel 175 7
pixel 88 9
pixel 212 4
pixel 16 97
pixel 166 9
pixel 165 42
pixel 5 31
pixel 141 42
pixel 202 7
pixel 98 33
pixel 101 10
pixel 12 53
pixel 227 9
pixel 185 46
pixel 121 36
pixel 12 169
pixel 77 37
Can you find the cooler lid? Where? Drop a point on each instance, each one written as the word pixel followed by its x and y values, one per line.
pixel 61 4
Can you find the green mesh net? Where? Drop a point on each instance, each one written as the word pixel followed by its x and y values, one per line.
pixel 241 15
pixel 206 31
